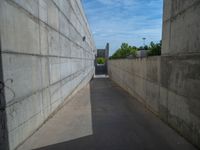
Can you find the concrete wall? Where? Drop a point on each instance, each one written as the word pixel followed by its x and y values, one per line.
pixel 144 79
pixel 170 85
pixel 140 77
pixel 180 67
pixel 44 60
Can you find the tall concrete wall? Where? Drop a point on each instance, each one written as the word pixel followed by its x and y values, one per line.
pixel 44 60
pixel 180 67
pixel 170 85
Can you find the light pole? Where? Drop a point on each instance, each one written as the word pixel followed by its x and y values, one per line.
pixel 144 41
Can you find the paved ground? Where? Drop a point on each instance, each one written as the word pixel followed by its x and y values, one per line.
pixel 104 117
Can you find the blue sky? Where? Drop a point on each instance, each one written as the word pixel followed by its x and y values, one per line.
pixel 118 21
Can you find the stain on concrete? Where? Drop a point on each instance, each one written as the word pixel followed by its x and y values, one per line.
pixel 4 144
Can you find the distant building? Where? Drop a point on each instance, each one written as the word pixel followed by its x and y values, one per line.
pixel 103 52
pixel 102 69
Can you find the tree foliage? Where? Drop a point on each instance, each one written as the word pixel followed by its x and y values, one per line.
pixel 124 51
pixel 155 48
pixel 101 60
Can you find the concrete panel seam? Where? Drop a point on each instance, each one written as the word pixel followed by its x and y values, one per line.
pixel 181 54
pixel 42 109
pixel 55 111
pixel 84 16
pixel 41 55
pixel 16 5
pixel 37 20
pixel 172 18
pixel 85 21
pixel 14 101
pixel 134 74
pixel 68 19
pixel 86 25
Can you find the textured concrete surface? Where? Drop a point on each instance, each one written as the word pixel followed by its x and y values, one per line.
pixel 169 85
pixel 180 68
pixel 3 123
pixel 105 117
pixel 44 59
pixel 181 27
pixel 140 77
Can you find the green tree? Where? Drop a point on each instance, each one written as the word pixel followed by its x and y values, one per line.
pixel 143 47
pixel 101 60
pixel 155 48
pixel 124 51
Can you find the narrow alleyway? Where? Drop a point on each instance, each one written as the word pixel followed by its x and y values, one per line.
pixel 102 116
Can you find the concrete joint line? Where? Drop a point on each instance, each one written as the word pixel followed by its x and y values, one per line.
pixel 55 111
pixel 68 19
pixel 37 20
pixel 18 100
pixel 40 55
pixel 172 18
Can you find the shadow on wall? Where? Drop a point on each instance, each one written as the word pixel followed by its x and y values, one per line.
pixel 3 121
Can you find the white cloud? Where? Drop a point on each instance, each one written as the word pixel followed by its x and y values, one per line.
pixel 117 2
pixel 118 21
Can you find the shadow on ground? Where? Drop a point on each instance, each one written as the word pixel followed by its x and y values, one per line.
pixel 119 122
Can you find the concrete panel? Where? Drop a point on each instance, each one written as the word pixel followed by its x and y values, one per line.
pixel 53 42
pixel 20 134
pixel 22 75
pixel 29 5
pixel 66 88
pixel 177 106
pixel 54 66
pixel 65 67
pixel 153 69
pixel 16 112
pixel 71 122
pixel 44 48
pixel 46 103
pixel 180 32
pixel 167 10
pixel 53 15
pixel 19 33
pixel 65 7
pixel 140 88
pixel 152 96
pixel 45 70
pixel 63 25
pixel 65 46
pixel 180 68
pixel 179 6
pixel 55 94
pixel 181 74
pixel 184 26
pixel 163 104
pixel 137 69
pixel 23 118
pixel 166 38
pixel 43 10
